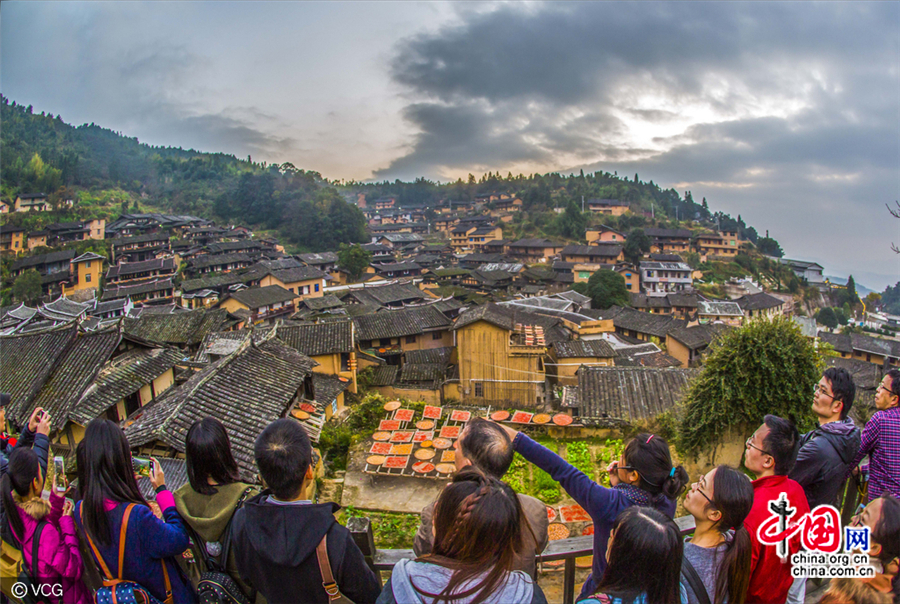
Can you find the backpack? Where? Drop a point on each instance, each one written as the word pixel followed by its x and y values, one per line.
pixel 119 590
pixel 216 586
pixel 30 579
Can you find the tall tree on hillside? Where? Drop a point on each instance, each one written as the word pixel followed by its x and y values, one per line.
pixel 572 222
pixel 27 287
pixel 768 246
pixel 353 259
pixel 636 245
pixel 826 317
pixel 607 288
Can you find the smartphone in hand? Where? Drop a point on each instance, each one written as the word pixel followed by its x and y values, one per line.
pixel 141 466
pixel 59 480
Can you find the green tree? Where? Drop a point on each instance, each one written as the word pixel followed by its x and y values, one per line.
pixel 636 245
pixel 607 288
pixel 768 246
pixel 826 317
pixel 572 222
pixel 353 259
pixel 27 287
pixel 763 367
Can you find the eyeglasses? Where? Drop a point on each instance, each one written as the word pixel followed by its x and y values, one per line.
pixel 823 392
pixel 888 390
pixel 749 443
pixel 701 484
pixel 618 467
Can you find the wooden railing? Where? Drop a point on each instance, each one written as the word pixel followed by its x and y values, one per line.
pixel 564 549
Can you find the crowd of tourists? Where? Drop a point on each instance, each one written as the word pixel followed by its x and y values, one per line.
pixel 219 539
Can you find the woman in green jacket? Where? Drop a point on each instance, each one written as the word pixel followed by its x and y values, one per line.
pixel 213 492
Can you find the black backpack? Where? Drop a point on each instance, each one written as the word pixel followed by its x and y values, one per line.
pixel 216 586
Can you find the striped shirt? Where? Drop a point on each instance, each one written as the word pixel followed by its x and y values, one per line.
pixel 881 442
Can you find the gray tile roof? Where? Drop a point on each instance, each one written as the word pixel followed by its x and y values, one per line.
pixel 40 259
pixel 316 339
pixel 245 391
pixel 208 260
pixel 222 280
pixel 389 323
pixel 300 273
pixel 439 356
pixel 384 375
pixel 760 301
pixel 607 250
pixel 257 297
pixel 26 364
pixel 122 377
pixel 646 323
pixel 180 329
pixel 147 238
pixel 698 336
pixel 114 291
pixel 175 471
pixel 719 308
pixel 385 294
pixel 132 268
pixel 583 349
pixel 630 393
pixel 327 387
pixel 322 302
pixel 320 258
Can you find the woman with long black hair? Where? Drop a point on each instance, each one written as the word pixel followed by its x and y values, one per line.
pixel 644 476
pixel 108 490
pixel 476 536
pixel 720 548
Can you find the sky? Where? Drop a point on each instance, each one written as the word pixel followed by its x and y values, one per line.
pixel 785 113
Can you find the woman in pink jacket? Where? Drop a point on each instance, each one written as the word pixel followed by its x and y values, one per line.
pixel 59 563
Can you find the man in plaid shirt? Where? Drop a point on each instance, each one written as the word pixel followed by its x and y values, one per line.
pixel 881 439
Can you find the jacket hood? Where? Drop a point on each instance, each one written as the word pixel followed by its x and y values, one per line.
pixel 431 578
pixel 286 534
pixel 844 436
pixel 37 508
pixel 209 514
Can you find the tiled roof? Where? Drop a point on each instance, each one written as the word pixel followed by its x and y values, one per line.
pixel 218 260
pixel 120 378
pixel 389 323
pixel 245 391
pixel 645 301
pixel 64 308
pixel 230 246
pixel 316 339
pixel 386 294
pixel 698 336
pixel 429 355
pixel 321 258
pixel 583 349
pixel 322 302
pixel 684 300
pixel 51 258
pixel 175 471
pixel 607 250
pixel 668 233
pixel 114 291
pixel 300 273
pixel 719 308
pixel 630 393
pixel 181 329
pixel 760 301
pixel 26 364
pixel 391 267
pixel 432 374
pixel 507 317
pixel 147 238
pixel 221 280
pixel 133 268
pixel 384 375
pixel 74 373
pixel 327 387
pixel 643 322
pixel 257 297
pixel 534 243
pixel 866 343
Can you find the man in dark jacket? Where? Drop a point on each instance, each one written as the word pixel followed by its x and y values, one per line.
pixel 275 534
pixel 826 452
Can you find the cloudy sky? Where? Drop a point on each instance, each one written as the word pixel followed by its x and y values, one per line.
pixel 785 113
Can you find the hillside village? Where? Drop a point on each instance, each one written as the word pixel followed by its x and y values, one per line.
pixel 183 318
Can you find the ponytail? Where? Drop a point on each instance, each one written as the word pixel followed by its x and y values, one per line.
pixel 733 497
pixel 21 470
pixel 649 455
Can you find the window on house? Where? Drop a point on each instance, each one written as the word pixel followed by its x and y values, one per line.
pixel 479 388
pixel 317 287
pixel 410 339
pixel 437 335
pixel 87 278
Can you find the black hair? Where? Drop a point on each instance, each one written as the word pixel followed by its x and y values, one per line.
pixel 488 447
pixel 842 387
pixel 21 470
pixel 733 497
pixel 894 374
pixel 887 531
pixel 645 557
pixel 208 455
pixel 782 443
pixel 105 471
pixel 283 454
pixel 5 399
pixel 650 457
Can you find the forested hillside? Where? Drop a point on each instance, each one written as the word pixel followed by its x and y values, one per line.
pixel 107 173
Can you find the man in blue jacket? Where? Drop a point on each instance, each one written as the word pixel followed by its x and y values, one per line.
pixel 826 452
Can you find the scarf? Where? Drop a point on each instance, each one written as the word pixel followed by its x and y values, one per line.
pixel 639 496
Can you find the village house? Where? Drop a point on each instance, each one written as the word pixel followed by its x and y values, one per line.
pixel 640 325
pixel 4 206
pixel 719 311
pixel 680 306
pixel 446 222
pixel 260 304
pixel 669 241
pixel 140 247
pixel 569 355
pixel 32 202
pixel 718 245
pixel 661 278
pixel 863 347
pixel 303 281
pixel 382 295
pixel 127 272
pixel 604 234
pixel 85 271
pixel 502 352
pixel 218 263
pixel 618 396
pixel 760 305
pixel 384 203
pixel 246 391
pixel 37 239
pixel 12 239
pixel 388 333
pixel 603 253
pixel 611 207
pixel 534 250
pixel 154 291
pixel 811 271
pixel 82 230
pixel 185 329
pixel 687 344
pixel 468 236
pixel 331 344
